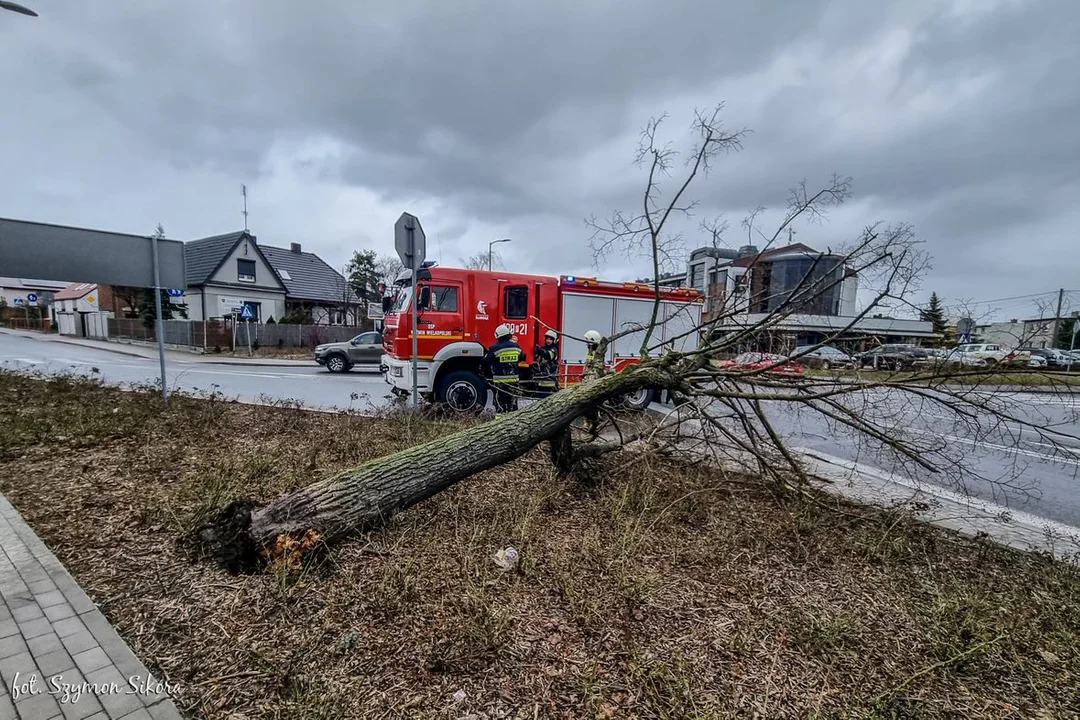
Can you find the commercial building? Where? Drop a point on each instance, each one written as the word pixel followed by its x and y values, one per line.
pixel 817 293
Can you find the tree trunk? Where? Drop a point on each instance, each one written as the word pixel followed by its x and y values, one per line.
pixel 362 497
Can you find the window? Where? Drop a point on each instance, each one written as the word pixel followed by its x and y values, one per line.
pixel 245 270
pixel 516 302
pixel 697 276
pixel 440 299
pixel 371 338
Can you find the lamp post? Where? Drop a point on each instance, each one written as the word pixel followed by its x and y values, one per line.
pixel 490 246
pixel 15 7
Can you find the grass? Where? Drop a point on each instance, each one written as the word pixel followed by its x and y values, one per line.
pixel 650 589
pixel 967 377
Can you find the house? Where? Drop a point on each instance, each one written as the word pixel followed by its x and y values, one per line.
pixel 228 272
pixel 313 288
pixel 78 310
pixel 16 291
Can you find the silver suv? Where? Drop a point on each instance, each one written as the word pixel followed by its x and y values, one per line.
pixel 365 351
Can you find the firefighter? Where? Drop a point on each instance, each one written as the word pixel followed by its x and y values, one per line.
pixel 546 365
pixel 594 361
pixel 594 368
pixel 502 361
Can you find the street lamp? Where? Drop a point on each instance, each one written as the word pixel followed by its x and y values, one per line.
pixel 492 244
pixel 15 7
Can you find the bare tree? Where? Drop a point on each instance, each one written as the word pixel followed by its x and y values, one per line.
pixel 730 412
pixel 480 260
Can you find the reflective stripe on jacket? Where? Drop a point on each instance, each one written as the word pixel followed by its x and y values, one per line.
pixel 502 358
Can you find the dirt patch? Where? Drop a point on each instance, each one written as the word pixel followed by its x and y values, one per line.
pixel 655 590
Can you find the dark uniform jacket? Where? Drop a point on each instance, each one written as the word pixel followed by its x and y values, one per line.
pixel 546 358
pixel 502 359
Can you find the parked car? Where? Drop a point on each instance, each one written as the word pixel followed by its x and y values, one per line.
pixel 824 357
pixel 1053 358
pixel 895 356
pixel 750 361
pixel 365 350
pixel 992 353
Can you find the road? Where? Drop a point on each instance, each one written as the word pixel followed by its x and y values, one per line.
pixel 1008 464
pixel 313 386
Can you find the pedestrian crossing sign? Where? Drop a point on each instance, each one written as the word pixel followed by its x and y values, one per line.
pixel 246 313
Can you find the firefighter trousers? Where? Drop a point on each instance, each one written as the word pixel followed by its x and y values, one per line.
pixel 505 394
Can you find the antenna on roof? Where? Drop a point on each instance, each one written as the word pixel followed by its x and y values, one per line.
pixel 243 191
pixel 790 233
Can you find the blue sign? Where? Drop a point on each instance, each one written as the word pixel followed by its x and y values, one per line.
pixel 963 339
pixel 176 292
pixel 18 301
pixel 31 297
pixel 246 313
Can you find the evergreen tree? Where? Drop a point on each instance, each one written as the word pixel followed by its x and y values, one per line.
pixel 934 314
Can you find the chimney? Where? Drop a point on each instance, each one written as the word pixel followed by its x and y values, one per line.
pixel 747 250
pixel 295 247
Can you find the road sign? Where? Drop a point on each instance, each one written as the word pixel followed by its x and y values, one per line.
pixel 410 241
pixel 18 301
pixel 176 292
pixel 229 305
pixel 374 311
pixel 965 326
pixel 246 313
pixel 963 339
pixel 31 297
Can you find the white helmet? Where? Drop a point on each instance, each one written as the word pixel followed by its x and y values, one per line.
pixel 592 337
pixel 503 331
pixel 551 334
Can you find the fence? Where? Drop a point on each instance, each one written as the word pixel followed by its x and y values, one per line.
pixel 226 335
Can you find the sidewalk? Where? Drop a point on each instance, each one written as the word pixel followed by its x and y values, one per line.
pixel 59 656
pixel 149 351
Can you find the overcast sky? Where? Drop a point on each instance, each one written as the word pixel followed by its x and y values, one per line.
pixel 510 119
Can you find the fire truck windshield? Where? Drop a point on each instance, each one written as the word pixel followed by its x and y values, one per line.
pixel 401 302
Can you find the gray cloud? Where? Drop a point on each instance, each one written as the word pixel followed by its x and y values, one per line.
pixel 522 120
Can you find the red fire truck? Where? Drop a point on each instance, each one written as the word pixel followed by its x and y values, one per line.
pixel 459 310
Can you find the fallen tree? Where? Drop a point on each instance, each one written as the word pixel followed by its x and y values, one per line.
pixel 730 409
pixel 352 501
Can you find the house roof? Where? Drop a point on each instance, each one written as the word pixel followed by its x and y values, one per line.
pixel 306 276
pixel 748 260
pixel 75 291
pixel 203 257
pixel 30 284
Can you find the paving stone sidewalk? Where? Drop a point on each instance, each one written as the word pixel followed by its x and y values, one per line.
pixel 59 656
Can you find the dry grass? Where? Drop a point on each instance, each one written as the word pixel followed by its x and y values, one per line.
pixel 648 590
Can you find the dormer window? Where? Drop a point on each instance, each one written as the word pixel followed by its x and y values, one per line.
pixel 245 270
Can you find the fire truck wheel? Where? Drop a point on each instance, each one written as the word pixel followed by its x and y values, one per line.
pixel 463 391
pixel 639 400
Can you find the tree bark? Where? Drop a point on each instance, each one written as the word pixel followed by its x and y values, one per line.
pixel 365 496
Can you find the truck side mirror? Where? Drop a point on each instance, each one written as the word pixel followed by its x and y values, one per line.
pixel 425 298
pixel 386 301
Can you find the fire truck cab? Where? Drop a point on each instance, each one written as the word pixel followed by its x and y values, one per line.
pixel 459 309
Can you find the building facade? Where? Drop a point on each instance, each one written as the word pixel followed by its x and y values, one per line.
pixel 816 293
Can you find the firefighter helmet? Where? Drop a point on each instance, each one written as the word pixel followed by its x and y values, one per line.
pixel 551 334
pixel 592 337
pixel 503 331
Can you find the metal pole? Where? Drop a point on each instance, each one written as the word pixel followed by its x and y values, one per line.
pixel 247 328
pixel 159 322
pixel 415 319
pixel 1072 343
pixel 1057 319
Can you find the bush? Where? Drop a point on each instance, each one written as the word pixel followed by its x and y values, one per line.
pixel 254 345
pixel 270 320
